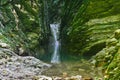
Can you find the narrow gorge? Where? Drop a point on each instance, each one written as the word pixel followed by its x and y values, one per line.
pixel 59 39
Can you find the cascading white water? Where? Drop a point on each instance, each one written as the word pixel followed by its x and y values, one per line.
pixel 55 31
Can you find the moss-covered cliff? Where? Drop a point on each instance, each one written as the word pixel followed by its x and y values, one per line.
pixel 108 57
pixel 19 24
pixel 102 18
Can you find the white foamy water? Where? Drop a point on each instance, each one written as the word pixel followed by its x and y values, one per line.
pixel 55 32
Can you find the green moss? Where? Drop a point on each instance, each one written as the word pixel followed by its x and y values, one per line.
pixel 103 8
pixel 109 58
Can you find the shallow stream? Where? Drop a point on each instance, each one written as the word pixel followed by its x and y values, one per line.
pixel 73 68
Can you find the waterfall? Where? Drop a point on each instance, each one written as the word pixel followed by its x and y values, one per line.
pixel 55 32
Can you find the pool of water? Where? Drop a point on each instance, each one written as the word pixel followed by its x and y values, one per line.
pixel 72 68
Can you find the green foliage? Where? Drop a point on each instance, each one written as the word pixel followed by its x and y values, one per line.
pixel 95 25
pixel 72 13
pixel 20 23
pixel 72 25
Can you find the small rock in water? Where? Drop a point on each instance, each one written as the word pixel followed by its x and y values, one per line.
pixel 77 77
pixel 45 78
pixel 65 74
pixel 57 78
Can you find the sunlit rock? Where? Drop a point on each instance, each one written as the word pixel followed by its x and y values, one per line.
pixel 77 77
pixel 111 42
pixel 4 45
pixel 64 74
pixel 45 78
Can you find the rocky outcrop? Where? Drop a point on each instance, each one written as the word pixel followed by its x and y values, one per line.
pixel 14 67
pixel 17 67
pixel 108 57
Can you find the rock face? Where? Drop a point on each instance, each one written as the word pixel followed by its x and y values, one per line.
pixel 17 67
pixel 99 30
pixel 14 67
pixel 104 19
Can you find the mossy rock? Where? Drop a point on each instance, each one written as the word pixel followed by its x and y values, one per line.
pixel 117 34
pixel 109 57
